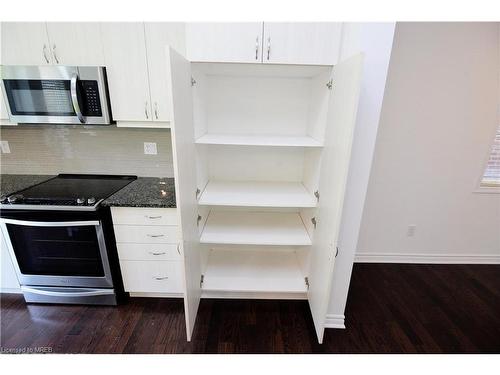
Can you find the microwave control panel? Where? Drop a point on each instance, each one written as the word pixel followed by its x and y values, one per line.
pixel 90 98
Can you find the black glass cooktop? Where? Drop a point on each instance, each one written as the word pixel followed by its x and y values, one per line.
pixel 71 190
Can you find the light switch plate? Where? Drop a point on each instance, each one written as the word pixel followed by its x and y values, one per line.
pixel 4 145
pixel 150 148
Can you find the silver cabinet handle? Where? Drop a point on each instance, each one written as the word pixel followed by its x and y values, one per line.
pixel 74 98
pixel 153 253
pixel 146 110
pixel 45 54
pixel 268 47
pixel 54 54
pixel 160 278
pixel 156 110
pixel 153 217
pixel 257 48
pixel 178 248
pixel 155 235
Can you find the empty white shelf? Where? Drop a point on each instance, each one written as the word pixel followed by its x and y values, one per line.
pixel 255 228
pixel 258 140
pixel 253 271
pixel 257 194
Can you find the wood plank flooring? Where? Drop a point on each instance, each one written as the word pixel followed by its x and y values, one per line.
pixel 392 308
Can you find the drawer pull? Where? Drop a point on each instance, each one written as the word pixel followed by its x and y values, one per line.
pixel 160 278
pixel 157 253
pixel 155 235
pixel 178 248
pixel 153 217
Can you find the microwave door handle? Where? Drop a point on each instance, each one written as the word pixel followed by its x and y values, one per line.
pixel 74 98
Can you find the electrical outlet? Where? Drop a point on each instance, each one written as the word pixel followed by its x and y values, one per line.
pixel 411 230
pixel 150 148
pixel 4 145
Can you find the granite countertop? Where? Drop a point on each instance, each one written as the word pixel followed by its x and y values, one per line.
pixel 10 183
pixel 144 192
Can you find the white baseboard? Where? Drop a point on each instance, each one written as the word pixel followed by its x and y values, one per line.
pixel 11 290
pixel 426 258
pixel 156 295
pixel 334 321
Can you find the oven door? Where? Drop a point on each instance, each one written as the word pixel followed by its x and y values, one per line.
pixel 69 253
pixel 56 95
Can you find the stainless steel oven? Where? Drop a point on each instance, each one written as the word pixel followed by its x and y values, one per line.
pixel 56 94
pixel 61 257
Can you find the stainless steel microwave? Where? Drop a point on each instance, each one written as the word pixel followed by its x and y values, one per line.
pixel 56 94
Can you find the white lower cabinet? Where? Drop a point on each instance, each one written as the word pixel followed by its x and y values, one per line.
pixel 8 277
pixel 147 240
pixel 146 276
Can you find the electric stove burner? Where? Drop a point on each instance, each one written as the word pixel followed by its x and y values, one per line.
pixel 68 191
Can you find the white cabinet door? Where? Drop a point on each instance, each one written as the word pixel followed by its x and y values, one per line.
pixel 75 43
pixel 301 43
pixel 127 70
pixel 183 149
pixel 8 277
pixel 4 112
pixel 334 168
pixel 159 36
pixel 224 42
pixel 25 43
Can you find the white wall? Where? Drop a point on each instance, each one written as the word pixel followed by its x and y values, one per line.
pixel 438 120
pixel 375 41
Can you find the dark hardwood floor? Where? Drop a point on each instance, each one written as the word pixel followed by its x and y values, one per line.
pixel 392 308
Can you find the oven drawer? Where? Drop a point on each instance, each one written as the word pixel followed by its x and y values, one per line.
pixel 144 216
pixel 151 277
pixel 147 234
pixel 148 251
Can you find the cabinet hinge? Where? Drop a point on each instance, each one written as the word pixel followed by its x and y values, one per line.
pixel 329 84
pixel 313 220
pixel 198 219
pixel 193 81
pixel 306 279
pixel 197 192
pixel 316 194
pixel 201 280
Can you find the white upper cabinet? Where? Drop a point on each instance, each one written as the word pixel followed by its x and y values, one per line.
pixel 75 43
pixel 224 42
pixel 160 36
pixel 257 42
pixel 25 43
pixel 127 70
pixel 301 43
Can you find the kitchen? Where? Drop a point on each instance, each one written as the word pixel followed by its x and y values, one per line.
pixel 200 187
pixel 101 197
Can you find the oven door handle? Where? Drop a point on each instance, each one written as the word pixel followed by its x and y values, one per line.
pixel 66 294
pixel 74 98
pixel 29 223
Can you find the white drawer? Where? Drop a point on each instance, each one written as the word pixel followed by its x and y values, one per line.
pixel 152 277
pixel 147 233
pixel 148 251
pixel 144 216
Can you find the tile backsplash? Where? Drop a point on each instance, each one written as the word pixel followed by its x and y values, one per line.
pixel 53 149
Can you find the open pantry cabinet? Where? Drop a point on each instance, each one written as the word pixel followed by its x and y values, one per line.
pixel 261 156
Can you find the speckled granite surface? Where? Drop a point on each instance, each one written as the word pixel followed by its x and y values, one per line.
pixel 10 183
pixel 144 192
